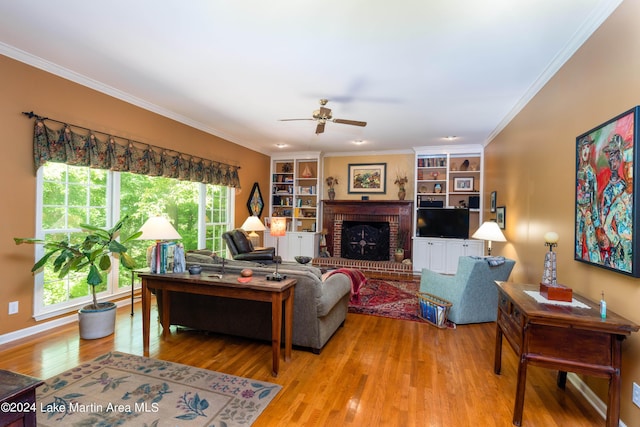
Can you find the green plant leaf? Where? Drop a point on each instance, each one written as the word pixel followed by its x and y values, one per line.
pixel 94 277
pixel 117 247
pixel 95 254
pixel 27 240
pixel 127 261
pixel 38 265
pixel 105 262
pixel 132 237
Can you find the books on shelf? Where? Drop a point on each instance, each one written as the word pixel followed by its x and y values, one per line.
pixel 282 178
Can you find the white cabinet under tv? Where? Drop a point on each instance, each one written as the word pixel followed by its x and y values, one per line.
pixel 441 255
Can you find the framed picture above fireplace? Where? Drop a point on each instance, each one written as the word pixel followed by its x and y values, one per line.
pixel 367 178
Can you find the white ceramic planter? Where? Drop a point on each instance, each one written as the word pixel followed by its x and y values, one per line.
pixel 97 323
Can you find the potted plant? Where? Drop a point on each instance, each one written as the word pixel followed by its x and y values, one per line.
pixel 398 255
pixel 93 256
pixel 331 182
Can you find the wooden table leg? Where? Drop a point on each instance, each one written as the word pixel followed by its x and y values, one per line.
pixel 288 325
pixel 146 316
pixel 497 362
pixel 613 404
pixel 561 380
pixel 520 387
pixel 276 330
pixel 165 316
pixel 132 289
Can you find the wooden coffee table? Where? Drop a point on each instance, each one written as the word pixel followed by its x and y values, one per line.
pixel 226 286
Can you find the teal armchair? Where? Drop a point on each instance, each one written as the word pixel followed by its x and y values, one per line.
pixel 472 290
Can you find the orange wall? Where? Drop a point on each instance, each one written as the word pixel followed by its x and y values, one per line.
pixel 531 165
pixel 24 88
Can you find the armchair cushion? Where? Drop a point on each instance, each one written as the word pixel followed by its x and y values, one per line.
pixel 472 291
pixel 242 242
pixel 242 249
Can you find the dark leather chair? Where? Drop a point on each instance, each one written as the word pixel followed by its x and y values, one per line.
pixel 242 249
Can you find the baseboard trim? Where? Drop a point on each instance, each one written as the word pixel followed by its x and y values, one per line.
pixel 590 396
pixel 46 326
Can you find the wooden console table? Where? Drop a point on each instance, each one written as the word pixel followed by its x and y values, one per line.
pixel 257 289
pixel 560 337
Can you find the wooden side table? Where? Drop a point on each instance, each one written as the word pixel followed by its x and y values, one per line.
pixel 565 338
pixel 17 399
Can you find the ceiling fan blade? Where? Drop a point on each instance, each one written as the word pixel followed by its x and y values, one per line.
pixel 291 120
pixel 320 128
pixel 350 122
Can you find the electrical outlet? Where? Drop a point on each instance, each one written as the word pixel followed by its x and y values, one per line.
pixel 636 394
pixel 13 307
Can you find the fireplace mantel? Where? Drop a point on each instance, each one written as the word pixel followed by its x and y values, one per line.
pixel 370 209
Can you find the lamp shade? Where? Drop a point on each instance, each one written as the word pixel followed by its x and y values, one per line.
pixel 551 237
pixel 278 226
pixel 253 223
pixel 489 230
pixel 158 228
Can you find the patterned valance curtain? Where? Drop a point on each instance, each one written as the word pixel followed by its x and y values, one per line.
pixel 67 145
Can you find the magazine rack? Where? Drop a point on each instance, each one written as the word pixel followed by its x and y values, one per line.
pixel 433 309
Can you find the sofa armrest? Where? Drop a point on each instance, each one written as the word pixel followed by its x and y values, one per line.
pixel 334 288
pixel 441 285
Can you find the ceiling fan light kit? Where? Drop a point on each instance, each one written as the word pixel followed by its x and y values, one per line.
pixel 324 115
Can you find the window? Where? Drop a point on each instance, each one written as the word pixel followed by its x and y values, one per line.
pixel 69 196
pixel 216 218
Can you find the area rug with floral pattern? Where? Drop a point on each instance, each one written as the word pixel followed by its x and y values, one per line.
pixel 386 298
pixel 119 389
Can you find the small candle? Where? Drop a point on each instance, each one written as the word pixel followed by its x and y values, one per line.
pixel 551 237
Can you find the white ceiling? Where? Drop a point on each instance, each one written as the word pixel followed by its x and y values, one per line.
pixel 415 70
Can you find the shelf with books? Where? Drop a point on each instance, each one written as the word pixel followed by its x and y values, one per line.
pixel 295 190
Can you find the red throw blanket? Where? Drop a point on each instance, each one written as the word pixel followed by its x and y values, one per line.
pixel 357 280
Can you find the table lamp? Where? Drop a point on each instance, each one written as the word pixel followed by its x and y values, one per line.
pixel 549 276
pixel 159 229
pixel 253 224
pixel 549 286
pixel 489 231
pixel 278 229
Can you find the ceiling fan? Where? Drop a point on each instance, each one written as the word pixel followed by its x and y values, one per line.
pixel 323 115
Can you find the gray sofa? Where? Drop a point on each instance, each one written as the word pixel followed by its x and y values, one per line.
pixel 319 307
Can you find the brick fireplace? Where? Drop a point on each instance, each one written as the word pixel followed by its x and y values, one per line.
pixel 397 213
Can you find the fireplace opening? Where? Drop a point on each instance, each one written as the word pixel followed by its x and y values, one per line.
pixel 365 240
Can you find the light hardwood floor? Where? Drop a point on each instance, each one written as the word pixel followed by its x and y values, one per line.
pixel 373 372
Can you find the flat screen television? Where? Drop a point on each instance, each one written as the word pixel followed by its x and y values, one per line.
pixel 443 222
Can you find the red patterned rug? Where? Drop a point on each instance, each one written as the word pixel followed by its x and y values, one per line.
pixel 386 298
